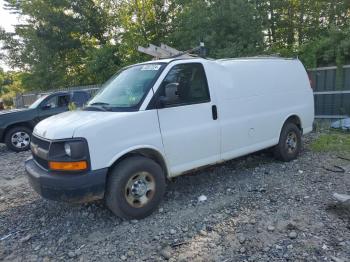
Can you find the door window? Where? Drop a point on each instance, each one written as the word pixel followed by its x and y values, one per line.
pixel 57 101
pixel 51 103
pixel 185 84
pixel 80 98
pixel 63 101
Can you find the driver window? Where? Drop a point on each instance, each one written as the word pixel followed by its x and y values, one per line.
pixel 57 101
pixel 51 103
pixel 63 101
pixel 185 84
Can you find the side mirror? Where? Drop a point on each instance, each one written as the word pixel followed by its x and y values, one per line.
pixel 171 95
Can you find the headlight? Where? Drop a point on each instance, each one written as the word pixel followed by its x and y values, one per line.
pixel 73 149
pixel 67 149
pixel 70 155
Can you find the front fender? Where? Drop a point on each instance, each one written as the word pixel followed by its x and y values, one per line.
pixel 140 148
pixel 112 135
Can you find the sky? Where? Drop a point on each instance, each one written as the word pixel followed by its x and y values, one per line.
pixel 7 21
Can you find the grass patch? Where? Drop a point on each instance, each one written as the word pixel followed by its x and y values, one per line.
pixel 333 141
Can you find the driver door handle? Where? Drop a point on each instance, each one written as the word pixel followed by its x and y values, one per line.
pixel 214 111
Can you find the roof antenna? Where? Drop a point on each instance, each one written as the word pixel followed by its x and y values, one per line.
pixel 203 51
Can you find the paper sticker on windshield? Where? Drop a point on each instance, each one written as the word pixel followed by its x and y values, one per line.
pixel 150 67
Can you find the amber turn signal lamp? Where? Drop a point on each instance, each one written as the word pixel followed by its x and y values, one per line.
pixel 68 166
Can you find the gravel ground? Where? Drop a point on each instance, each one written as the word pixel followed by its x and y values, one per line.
pixel 257 209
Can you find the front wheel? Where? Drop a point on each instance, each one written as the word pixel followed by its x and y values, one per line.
pixel 135 188
pixel 289 145
pixel 18 138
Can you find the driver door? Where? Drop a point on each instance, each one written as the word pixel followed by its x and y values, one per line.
pixel 53 106
pixel 188 122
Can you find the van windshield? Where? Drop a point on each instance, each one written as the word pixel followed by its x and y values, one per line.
pixel 127 89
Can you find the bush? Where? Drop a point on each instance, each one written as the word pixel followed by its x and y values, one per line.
pixel 7 99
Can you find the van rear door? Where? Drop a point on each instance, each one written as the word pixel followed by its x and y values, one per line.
pixel 188 119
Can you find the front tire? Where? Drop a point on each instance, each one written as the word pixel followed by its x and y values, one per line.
pixel 135 188
pixel 289 145
pixel 18 138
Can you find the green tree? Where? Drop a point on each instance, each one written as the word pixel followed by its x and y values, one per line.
pixel 144 22
pixel 66 43
pixel 58 41
pixel 229 28
pixel 3 89
pixel 290 24
pixel 10 84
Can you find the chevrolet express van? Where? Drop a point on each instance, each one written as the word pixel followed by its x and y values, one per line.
pixel 160 119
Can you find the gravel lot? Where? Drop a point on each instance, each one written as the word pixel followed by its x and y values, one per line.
pixel 257 209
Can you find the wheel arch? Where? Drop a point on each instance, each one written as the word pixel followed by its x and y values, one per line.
pixel 19 124
pixel 145 151
pixel 295 119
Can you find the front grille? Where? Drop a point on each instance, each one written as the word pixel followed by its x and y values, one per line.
pixel 40 143
pixel 40 149
pixel 41 162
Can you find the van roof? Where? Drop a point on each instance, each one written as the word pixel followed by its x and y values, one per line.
pixel 187 57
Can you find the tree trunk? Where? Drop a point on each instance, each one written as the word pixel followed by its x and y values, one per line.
pixel 301 23
pixel 272 22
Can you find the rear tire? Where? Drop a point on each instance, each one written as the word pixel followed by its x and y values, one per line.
pixel 289 145
pixel 135 188
pixel 18 138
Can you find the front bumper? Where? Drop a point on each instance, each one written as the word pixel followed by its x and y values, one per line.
pixel 73 188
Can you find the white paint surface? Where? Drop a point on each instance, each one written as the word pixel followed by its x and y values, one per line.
pixel 254 98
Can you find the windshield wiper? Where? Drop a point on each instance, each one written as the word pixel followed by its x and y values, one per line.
pixel 100 105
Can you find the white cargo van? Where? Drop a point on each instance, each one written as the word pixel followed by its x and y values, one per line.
pixel 160 119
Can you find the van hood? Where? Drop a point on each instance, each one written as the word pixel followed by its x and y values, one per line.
pixel 64 125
